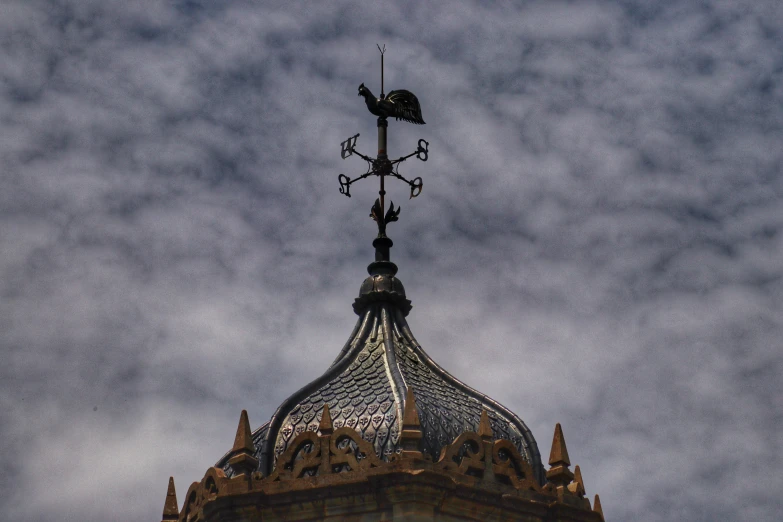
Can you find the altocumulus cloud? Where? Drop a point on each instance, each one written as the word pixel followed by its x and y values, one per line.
pixel 598 243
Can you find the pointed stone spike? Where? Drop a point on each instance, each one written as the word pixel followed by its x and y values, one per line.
pixel 559 453
pixel 577 487
pixel 597 506
pixel 170 509
pixel 242 460
pixel 559 474
pixel 485 429
pixel 325 426
pixel 578 479
pixel 244 439
pixel 410 416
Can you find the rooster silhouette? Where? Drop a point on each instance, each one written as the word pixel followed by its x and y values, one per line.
pixel 400 104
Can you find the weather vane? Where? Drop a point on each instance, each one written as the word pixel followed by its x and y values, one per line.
pixel 402 105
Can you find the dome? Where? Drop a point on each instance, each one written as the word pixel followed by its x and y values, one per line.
pixel 366 386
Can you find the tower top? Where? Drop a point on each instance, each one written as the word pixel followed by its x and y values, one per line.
pixel 385 423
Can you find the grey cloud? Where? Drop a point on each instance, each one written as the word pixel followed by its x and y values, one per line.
pixel 598 242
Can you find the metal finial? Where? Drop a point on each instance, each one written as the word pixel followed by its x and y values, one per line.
pixel 402 105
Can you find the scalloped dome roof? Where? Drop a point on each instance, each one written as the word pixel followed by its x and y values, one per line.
pixel 366 386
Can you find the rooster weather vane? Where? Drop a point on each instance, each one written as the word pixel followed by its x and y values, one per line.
pixel 402 105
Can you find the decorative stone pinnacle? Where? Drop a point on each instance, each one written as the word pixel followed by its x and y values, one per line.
pixel 559 453
pixel 170 509
pixel 485 429
pixel 410 439
pixel 244 439
pixel 559 474
pixel 243 459
pixel 577 487
pixel 597 506
pixel 325 426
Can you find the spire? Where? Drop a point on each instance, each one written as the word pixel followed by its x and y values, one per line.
pixel 559 453
pixel 170 509
pixel 411 428
pixel 597 506
pixel 243 459
pixel 559 474
pixel 577 487
pixel 325 426
pixel 485 429
pixel 244 439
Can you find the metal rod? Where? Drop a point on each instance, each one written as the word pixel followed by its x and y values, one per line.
pixel 382 125
pixel 382 52
pixel 382 140
pixel 382 157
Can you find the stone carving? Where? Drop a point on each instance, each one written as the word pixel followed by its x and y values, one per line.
pixel 332 451
pixel 202 492
pixel 477 455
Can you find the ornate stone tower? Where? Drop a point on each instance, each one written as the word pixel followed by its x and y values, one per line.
pixel 385 433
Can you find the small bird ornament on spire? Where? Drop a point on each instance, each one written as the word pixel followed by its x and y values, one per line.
pixel 400 104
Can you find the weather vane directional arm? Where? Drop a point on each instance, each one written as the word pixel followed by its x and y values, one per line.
pixel 379 167
pixel 402 105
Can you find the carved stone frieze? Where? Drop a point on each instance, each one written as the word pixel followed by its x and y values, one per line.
pixel 491 461
pixel 313 455
pixel 202 492
pixel 474 461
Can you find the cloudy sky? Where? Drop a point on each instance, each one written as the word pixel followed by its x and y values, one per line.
pixel 599 241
